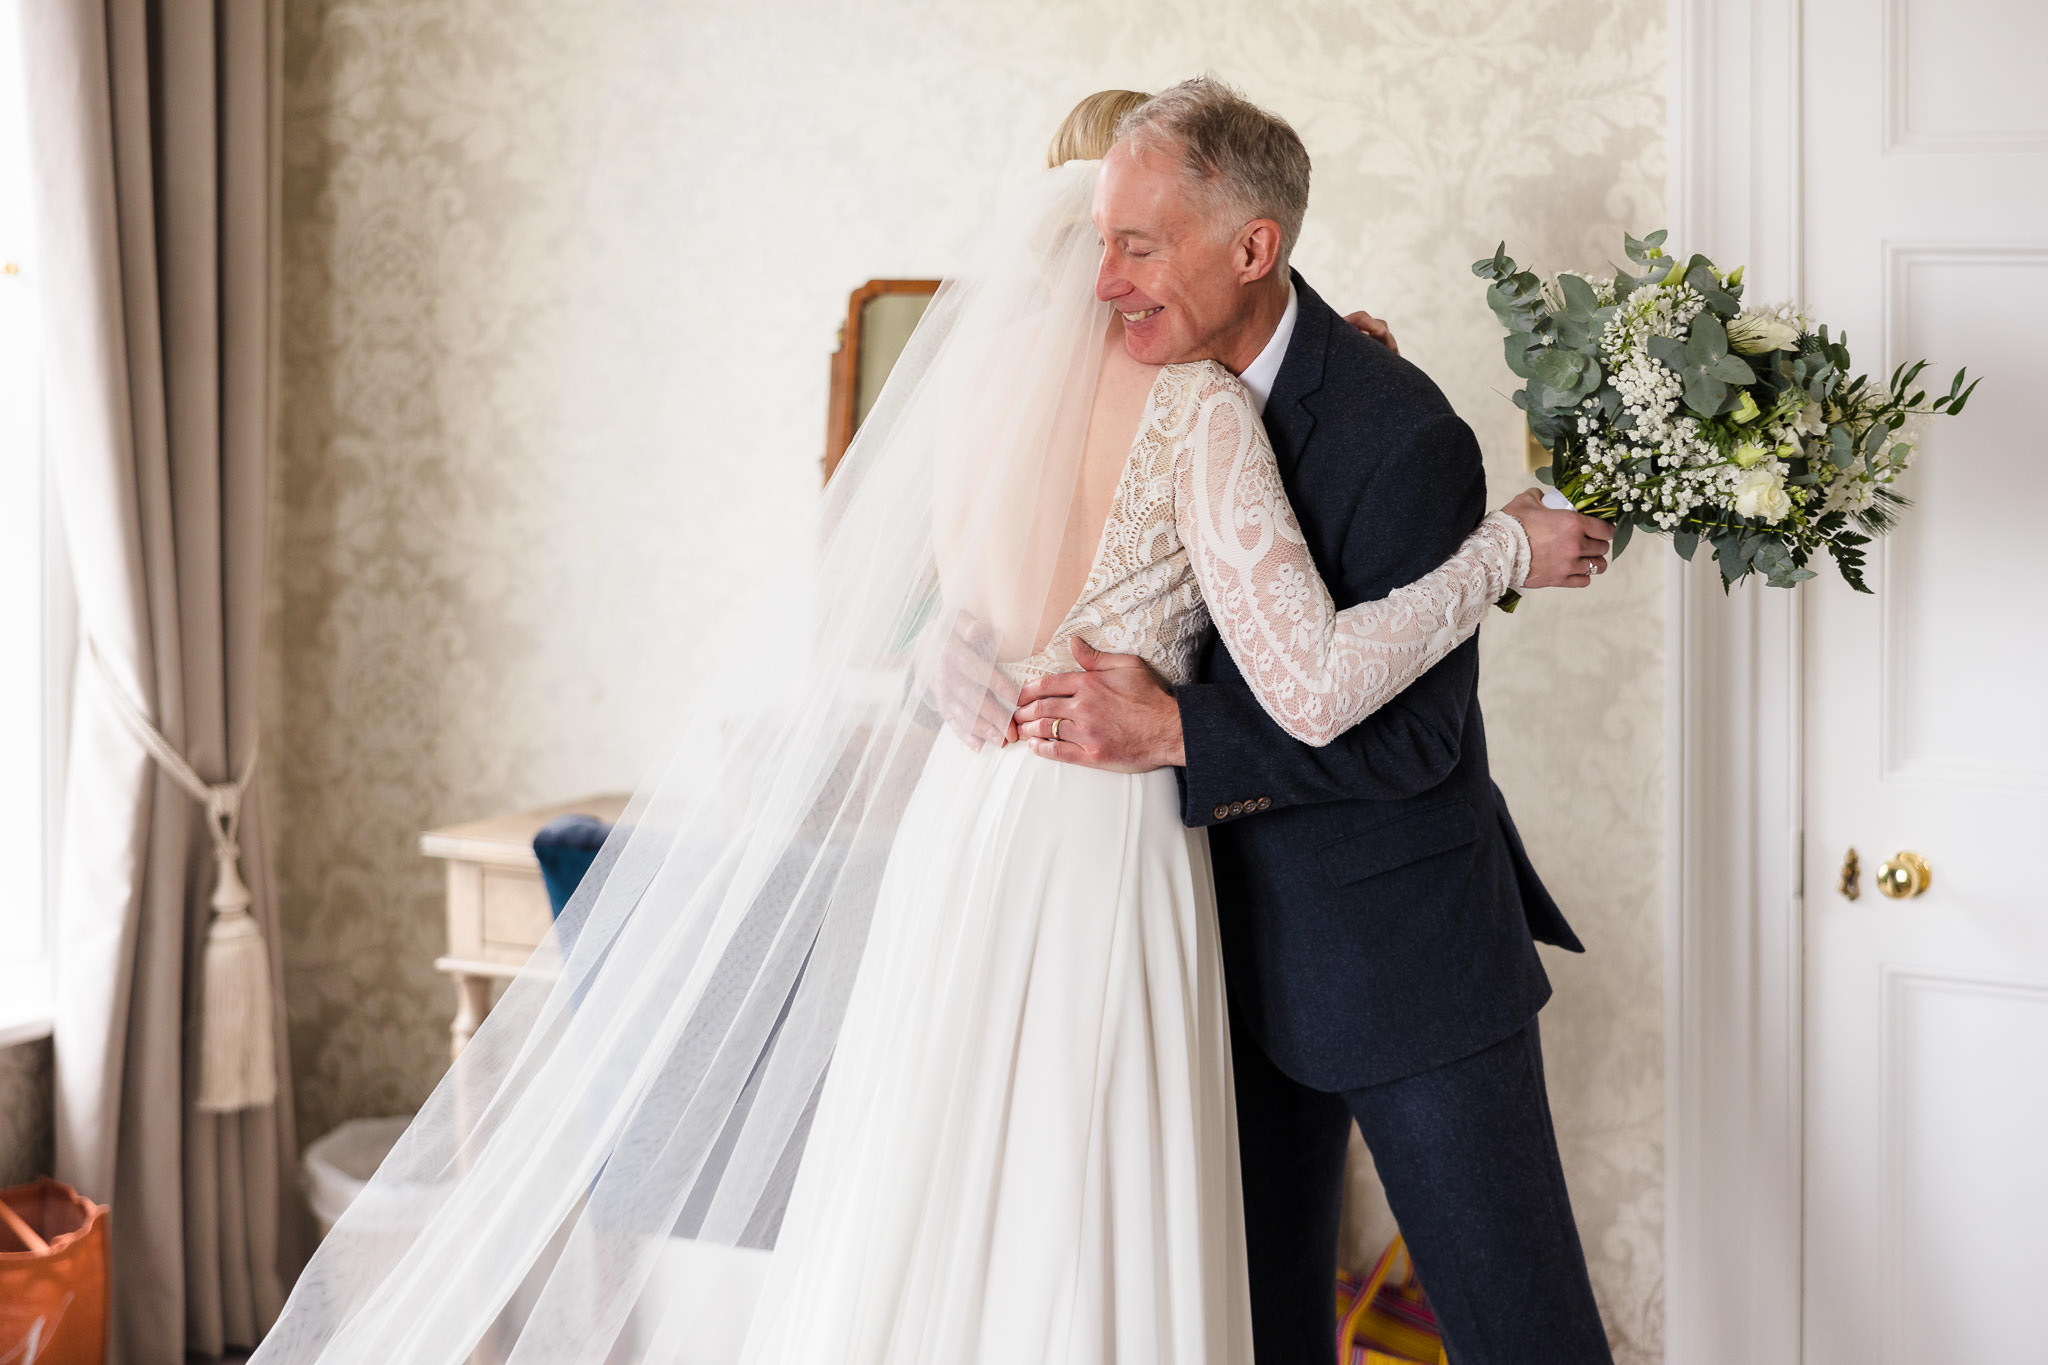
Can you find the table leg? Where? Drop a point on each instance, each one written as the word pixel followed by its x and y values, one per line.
pixel 472 1002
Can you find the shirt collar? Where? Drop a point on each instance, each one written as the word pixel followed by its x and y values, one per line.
pixel 1258 376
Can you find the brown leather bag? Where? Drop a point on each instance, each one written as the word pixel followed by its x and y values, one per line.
pixel 53 1276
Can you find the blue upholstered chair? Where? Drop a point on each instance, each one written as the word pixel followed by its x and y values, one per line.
pixel 565 848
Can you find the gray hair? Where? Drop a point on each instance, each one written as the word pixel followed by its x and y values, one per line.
pixel 1246 162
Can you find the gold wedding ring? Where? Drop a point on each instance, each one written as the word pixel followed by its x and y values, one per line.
pixel 1056 729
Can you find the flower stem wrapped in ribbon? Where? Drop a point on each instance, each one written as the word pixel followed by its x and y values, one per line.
pixel 1666 404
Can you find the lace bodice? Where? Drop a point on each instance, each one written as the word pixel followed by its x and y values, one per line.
pixel 1200 529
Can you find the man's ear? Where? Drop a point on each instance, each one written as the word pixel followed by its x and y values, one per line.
pixel 1258 249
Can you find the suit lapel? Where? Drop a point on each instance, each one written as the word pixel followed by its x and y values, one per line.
pixel 1290 419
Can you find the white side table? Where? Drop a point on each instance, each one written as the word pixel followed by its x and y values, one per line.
pixel 497 904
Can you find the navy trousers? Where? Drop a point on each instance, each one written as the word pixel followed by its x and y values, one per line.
pixel 1469 1160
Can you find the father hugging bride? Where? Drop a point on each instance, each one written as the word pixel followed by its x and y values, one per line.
pixel 1004 988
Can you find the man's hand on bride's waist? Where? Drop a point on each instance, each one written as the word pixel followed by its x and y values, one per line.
pixel 1115 714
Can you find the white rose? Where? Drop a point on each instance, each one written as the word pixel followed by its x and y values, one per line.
pixel 1761 494
pixel 1759 330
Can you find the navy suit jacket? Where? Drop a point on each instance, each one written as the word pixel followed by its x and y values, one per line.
pixel 1378 911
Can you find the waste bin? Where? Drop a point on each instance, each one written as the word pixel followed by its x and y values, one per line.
pixel 385 1224
pixel 338 1165
pixel 53 1275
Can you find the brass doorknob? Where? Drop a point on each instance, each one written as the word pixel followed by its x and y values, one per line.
pixel 1904 875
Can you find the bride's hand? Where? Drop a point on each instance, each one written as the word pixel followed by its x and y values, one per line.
pixel 1374 328
pixel 957 670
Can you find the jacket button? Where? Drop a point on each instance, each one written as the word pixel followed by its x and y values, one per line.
pixel 1223 812
pixel 1237 808
pixel 1265 803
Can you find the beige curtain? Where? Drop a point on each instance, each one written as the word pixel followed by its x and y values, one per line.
pixel 154 130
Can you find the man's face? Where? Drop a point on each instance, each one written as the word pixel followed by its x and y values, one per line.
pixel 1177 280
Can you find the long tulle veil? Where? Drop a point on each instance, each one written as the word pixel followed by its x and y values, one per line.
pixel 648 1079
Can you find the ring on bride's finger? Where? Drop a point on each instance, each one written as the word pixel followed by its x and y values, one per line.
pixel 1056 728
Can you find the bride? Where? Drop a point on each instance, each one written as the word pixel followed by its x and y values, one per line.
pixel 872 1036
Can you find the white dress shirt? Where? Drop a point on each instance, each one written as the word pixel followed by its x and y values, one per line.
pixel 1258 376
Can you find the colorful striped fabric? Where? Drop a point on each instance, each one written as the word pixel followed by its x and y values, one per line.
pixel 1381 1321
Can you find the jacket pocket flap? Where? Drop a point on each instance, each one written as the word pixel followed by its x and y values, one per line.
pixel 1405 839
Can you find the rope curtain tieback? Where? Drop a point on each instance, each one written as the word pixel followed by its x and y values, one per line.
pixel 237 1050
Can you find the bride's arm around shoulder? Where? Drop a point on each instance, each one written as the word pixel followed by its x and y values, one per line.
pixel 1316 670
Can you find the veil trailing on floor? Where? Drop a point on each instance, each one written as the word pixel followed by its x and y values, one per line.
pixel 647 1082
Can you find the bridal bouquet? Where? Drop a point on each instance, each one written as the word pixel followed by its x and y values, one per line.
pixel 1666 404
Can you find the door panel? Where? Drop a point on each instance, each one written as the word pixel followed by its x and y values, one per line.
pixel 1952 1239
pixel 1972 539
pixel 1924 188
pixel 1965 75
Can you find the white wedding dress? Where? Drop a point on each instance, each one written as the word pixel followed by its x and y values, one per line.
pixel 1026 1148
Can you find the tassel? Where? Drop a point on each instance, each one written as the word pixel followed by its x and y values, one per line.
pixel 237 1059
pixel 237 1052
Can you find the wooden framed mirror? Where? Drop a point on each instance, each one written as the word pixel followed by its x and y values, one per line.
pixel 880 316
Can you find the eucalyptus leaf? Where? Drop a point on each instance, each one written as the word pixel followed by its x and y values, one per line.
pixel 1706 366
pixel 1522 350
pixel 1499 266
pixel 1668 352
pixel 1583 331
pixel 1591 380
pixel 1622 531
pixel 1729 564
pixel 1841 447
pixel 1699 277
pixel 1562 377
pixel 1550 428
pixel 1705 394
pixel 1559 368
pixel 1642 252
pixel 1516 301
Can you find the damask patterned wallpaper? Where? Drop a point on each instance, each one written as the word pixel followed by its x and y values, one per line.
pixel 559 286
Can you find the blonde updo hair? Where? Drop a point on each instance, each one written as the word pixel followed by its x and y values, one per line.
pixel 1089 131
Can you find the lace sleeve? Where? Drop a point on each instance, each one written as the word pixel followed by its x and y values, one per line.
pixel 1316 670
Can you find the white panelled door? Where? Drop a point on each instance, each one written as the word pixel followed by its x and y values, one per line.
pixel 1925 195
